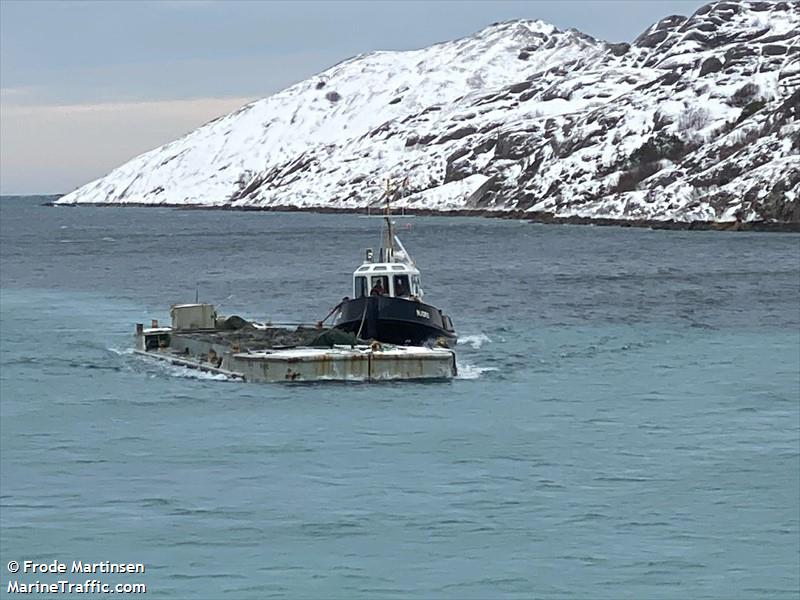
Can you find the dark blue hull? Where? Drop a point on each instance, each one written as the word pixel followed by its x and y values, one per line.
pixel 395 321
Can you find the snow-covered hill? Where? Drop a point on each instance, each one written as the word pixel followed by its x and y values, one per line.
pixel 696 120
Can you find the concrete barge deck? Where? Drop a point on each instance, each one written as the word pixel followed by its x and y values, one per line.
pixel 249 351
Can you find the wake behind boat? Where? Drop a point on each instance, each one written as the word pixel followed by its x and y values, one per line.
pixel 387 298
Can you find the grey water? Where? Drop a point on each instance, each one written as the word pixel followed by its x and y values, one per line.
pixel 626 423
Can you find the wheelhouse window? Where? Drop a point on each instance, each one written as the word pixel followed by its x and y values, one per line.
pixel 360 288
pixel 379 285
pixel 402 289
pixel 415 285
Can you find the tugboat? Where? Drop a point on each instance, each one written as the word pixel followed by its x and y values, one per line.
pixel 387 298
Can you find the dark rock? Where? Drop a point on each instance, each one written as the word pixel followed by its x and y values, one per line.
pixel 516 145
pixel 455 171
pixel 525 96
pixel 705 9
pixel 457 134
pixel 710 65
pixel 696 36
pixel 629 180
pixel 737 52
pixel 781 37
pixel 608 121
pixel 464 117
pixel 320 85
pixel 460 153
pixel 661 120
pixel 573 144
pixel 651 40
pixel 744 95
pixel 533 166
pixel 750 110
pixel 666 177
pixel 395 100
pixel 790 108
pixel 520 87
pixel 247 184
pixel 484 146
pixel 555 92
pixel 670 78
pixel 489 127
pixel 704 26
pixel 777 206
pixel 234 323
pixel 658 32
pixel 720 175
pixel 333 96
pixel 620 49
pixel 773 50
pixel 731 7
pixel 523 55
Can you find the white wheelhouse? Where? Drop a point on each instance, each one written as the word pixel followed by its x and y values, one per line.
pixel 397 280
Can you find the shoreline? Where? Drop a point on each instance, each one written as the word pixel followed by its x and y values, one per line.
pixel 521 215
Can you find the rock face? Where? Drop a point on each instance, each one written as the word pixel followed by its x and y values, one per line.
pixel 695 120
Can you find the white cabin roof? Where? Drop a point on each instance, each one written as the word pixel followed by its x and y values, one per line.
pixel 385 268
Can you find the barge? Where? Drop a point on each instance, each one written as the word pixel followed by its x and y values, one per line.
pixel 243 350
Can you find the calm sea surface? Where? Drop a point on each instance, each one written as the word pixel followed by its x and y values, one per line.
pixel 626 423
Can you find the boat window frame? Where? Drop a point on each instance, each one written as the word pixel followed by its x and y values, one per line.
pixel 364 290
pixel 405 276
pixel 415 284
pixel 385 281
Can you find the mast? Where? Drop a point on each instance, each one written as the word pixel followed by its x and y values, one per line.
pixel 388 236
pixel 390 242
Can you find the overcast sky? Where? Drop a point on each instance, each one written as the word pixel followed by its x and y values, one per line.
pixel 86 85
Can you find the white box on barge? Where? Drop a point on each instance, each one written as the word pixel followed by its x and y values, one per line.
pixel 193 316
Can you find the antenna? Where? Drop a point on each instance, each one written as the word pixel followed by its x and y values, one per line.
pixel 389 237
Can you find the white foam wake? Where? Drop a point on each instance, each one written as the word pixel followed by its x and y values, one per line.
pixel 118 352
pixel 476 341
pixel 171 370
pixel 187 373
pixel 467 371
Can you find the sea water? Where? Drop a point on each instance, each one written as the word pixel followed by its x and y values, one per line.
pixel 625 424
